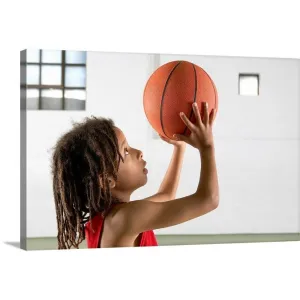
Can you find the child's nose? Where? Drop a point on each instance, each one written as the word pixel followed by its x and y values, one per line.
pixel 140 154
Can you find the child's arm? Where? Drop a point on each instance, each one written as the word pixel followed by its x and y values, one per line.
pixel 168 188
pixel 139 216
pixel 143 215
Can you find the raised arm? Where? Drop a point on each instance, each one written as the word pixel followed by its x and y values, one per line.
pixel 168 188
pixel 142 215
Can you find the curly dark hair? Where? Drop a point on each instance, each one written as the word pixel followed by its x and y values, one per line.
pixel 81 157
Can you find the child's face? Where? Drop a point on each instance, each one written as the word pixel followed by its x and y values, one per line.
pixel 131 173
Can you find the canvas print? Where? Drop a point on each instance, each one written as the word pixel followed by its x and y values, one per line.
pixel 146 150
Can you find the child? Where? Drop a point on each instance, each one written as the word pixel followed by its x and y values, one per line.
pixel 95 171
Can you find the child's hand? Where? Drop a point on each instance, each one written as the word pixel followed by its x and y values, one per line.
pixel 201 136
pixel 172 142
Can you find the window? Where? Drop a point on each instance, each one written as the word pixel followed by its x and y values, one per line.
pixel 249 84
pixel 55 79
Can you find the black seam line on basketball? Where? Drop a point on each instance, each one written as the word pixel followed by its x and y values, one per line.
pixel 162 99
pixel 195 96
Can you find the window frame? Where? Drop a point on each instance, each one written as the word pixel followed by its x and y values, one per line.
pixel 62 86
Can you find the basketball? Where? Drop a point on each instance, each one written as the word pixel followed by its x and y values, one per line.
pixel 172 89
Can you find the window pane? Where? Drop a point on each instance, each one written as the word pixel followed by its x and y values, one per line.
pixel 75 57
pixel 75 76
pixel 75 94
pixel 52 93
pixel 51 56
pixel 32 93
pixel 32 101
pixel 51 75
pixel 73 104
pixel 75 99
pixel 248 85
pixel 33 55
pixel 51 99
pixel 32 74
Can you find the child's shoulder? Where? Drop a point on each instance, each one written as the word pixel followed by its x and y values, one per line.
pixel 117 216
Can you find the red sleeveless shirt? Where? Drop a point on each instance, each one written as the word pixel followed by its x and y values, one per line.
pixel 93 238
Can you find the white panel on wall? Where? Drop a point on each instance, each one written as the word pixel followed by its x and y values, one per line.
pixel 258 183
pixel 273 114
pixel 115 86
pixel 43 130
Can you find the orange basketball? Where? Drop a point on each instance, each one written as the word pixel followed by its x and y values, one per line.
pixel 173 88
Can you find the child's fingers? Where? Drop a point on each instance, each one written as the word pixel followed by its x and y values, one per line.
pixel 206 115
pixel 197 113
pixel 212 116
pixel 187 122
pixel 180 137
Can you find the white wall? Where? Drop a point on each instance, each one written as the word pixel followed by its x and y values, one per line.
pixel 43 129
pixel 257 142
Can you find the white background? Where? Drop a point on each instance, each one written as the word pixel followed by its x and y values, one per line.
pixel 247 271
pixel 257 142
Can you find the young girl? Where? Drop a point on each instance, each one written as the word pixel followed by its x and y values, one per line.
pixel 95 171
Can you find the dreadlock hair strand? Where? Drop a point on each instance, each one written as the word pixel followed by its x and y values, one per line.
pixel 82 161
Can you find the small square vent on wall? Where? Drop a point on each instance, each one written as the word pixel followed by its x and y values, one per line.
pixel 249 84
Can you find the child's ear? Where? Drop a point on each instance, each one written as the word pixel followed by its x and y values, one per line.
pixel 111 182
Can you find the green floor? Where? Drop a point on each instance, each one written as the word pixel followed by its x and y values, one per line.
pixel 50 243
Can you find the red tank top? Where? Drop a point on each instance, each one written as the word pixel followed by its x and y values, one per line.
pixel 93 238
